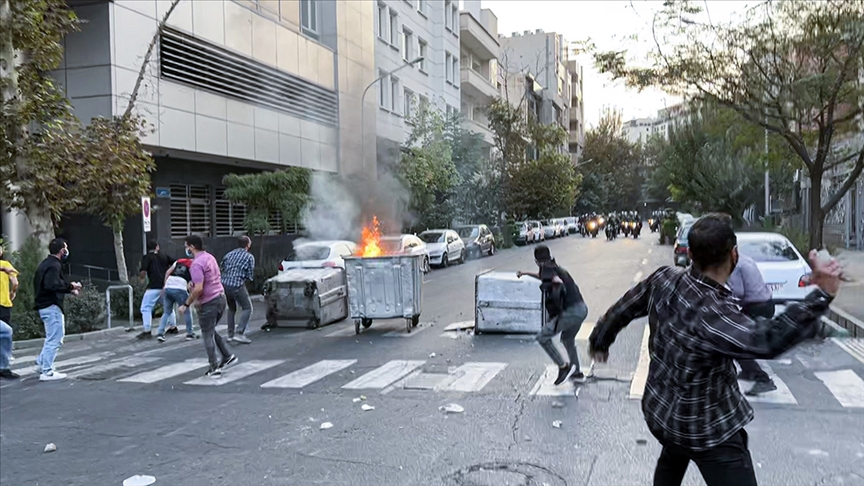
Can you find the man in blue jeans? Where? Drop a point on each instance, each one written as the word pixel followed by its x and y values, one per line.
pixel 6 351
pixel 238 266
pixel 566 310
pixel 154 266
pixel 50 289
pixel 176 292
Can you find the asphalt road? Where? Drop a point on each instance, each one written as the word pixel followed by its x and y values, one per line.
pixel 234 431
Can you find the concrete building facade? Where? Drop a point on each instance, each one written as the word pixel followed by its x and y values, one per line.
pixel 576 129
pixel 405 30
pixel 479 74
pixel 233 86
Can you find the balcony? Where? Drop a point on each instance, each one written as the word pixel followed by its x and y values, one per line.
pixel 476 85
pixel 478 127
pixel 474 36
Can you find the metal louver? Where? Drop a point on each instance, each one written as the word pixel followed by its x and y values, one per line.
pixel 195 62
pixel 190 210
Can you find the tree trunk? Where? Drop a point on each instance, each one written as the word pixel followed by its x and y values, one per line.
pixel 120 255
pixel 817 218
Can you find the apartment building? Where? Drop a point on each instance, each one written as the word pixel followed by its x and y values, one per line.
pixel 545 56
pixel 406 30
pixel 479 76
pixel 576 129
pixel 638 130
pixel 234 86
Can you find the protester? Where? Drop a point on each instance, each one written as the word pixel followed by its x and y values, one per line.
pixel 566 311
pixel 50 289
pixel 6 351
pixel 209 296
pixel 747 284
pixel 238 267
pixel 692 403
pixel 176 292
pixel 8 289
pixel 154 265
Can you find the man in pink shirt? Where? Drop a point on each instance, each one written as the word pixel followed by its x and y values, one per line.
pixel 209 297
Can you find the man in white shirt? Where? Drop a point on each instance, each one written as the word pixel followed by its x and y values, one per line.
pixel 176 291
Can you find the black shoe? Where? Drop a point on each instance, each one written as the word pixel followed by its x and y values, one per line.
pixel 144 335
pixel 214 372
pixel 8 375
pixel 191 337
pixel 172 330
pixel 228 362
pixel 563 373
pixel 579 378
pixel 761 387
pixel 160 338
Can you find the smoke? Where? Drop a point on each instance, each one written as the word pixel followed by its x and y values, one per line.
pixel 340 206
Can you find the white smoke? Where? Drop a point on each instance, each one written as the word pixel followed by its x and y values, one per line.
pixel 332 213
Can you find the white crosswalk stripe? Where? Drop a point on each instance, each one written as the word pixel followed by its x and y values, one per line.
pixel 782 395
pixel 235 373
pixel 309 374
pixel 384 375
pixel 66 363
pixel 112 366
pixel 845 385
pixel 471 377
pixel 546 386
pixel 167 372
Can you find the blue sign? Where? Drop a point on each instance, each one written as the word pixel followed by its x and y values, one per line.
pixel 163 192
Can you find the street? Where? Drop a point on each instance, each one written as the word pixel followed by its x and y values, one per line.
pixel 146 408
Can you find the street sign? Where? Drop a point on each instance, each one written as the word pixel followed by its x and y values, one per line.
pixel 163 192
pixel 145 213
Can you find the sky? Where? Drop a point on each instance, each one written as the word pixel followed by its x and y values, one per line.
pixel 609 24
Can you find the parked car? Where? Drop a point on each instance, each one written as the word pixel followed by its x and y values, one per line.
pixel 572 224
pixel 784 269
pixel 550 229
pixel 444 246
pixel 315 254
pixel 562 227
pixel 406 245
pixel 539 232
pixel 682 257
pixel 525 234
pixel 478 240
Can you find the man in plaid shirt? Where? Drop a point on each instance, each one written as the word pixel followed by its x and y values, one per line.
pixel 692 403
pixel 238 266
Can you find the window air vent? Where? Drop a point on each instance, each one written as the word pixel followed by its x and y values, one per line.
pixel 191 61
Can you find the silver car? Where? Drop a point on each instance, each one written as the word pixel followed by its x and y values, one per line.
pixel 785 271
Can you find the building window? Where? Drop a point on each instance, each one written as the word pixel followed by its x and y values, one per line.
pixel 408 100
pixel 448 67
pixel 455 71
pixel 455 20
pixel 394 29
pixel 229 216
pixel 309 17
pixel 394 94
pixel 382 22
pixel 424 53
pixel 407 44
pixel 423 7
pixel 190 210
pixel 448 19
pixel 382 89
pixel 424 103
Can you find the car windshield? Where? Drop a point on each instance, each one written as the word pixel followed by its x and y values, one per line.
pixel 309 252
pixel 432 237
pixel 768 251
pixel 469 232
pixel 685 231
pixel 391 245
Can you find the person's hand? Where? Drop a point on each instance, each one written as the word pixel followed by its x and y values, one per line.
pixel 183 308
pixel 76 285
pixel 519 274
pixel 75 292
pixel 826 273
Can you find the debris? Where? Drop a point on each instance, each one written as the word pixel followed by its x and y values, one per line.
pixel 641 441
pixel 139 480
pixel 325 425
pixel 269 416
pixel 557 404
pixel 451 408
pixel 556 424
pixel 362 397
pixel 366 407
pixel 352 372
pixel 431 355
pixel 50 447
pixel 527 438
pixel 356 400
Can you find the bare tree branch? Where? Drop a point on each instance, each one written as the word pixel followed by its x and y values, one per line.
pixel 847 184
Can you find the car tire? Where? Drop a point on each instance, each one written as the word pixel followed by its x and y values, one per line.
pixel 462 257
pixel 492 249
pixel 444 261
pixel 426 267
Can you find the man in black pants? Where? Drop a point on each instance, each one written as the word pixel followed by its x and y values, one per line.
pixel 692 403
pixel 747 284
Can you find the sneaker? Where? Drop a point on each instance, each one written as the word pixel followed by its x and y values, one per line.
pixel 228 362
pixel 52 376
pixel 8 374
pixel 579 378
pixel 172 330
pixel 230 339
pixel 563 373
pixel 144 335
pixel 160 338
pixel 214 372
pixel 761 387
pixel 240 338
pixel 191 337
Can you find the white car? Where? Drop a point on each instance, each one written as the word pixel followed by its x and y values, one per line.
pixel 572 224
pixel 406 245
pixel 444 246
pixel 550 229
pixel 316 254
pixel 785 271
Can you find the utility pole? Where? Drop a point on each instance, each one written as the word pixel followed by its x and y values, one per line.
pixel 767 177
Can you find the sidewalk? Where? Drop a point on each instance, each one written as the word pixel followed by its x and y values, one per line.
pixel 851 297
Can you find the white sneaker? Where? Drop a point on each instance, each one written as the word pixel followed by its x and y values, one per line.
pixel 52 376
pixel 239 338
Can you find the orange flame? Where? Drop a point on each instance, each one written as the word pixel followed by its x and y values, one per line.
pixel 370 241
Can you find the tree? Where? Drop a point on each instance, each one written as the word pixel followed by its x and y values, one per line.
pixel 478 196
pixel 37 169
pixel 428 172
pixel 615 168
pixel 791 68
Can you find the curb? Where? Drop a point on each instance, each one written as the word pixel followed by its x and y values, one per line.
pixel 93 336
pixel 844 320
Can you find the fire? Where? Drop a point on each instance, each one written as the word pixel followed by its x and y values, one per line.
pixel 370 242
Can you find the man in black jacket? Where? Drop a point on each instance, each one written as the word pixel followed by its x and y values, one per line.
pixel 692 403
pixel 50 289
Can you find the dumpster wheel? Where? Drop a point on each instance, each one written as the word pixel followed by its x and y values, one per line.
pixel 367 323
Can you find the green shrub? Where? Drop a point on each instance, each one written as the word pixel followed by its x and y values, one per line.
pixel 86 311
pixel 120 301
pixel 800 240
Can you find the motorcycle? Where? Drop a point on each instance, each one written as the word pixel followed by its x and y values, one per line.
pixel 611 234
pixel 625 228
pixel 637 229
pixel 654 224
pixel 593 229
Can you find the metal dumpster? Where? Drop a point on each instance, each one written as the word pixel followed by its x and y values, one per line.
pixel 312 297
pixel 506 303
pixel 385 287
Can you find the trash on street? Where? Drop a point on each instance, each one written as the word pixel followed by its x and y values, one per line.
pixel 556 424
pixel 50 447
pixel 366 407
pixel 451 408
pixel 325 425
pixel 139 480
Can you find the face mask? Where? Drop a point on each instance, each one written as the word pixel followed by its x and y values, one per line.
pixel 65 255
pixel 189 253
